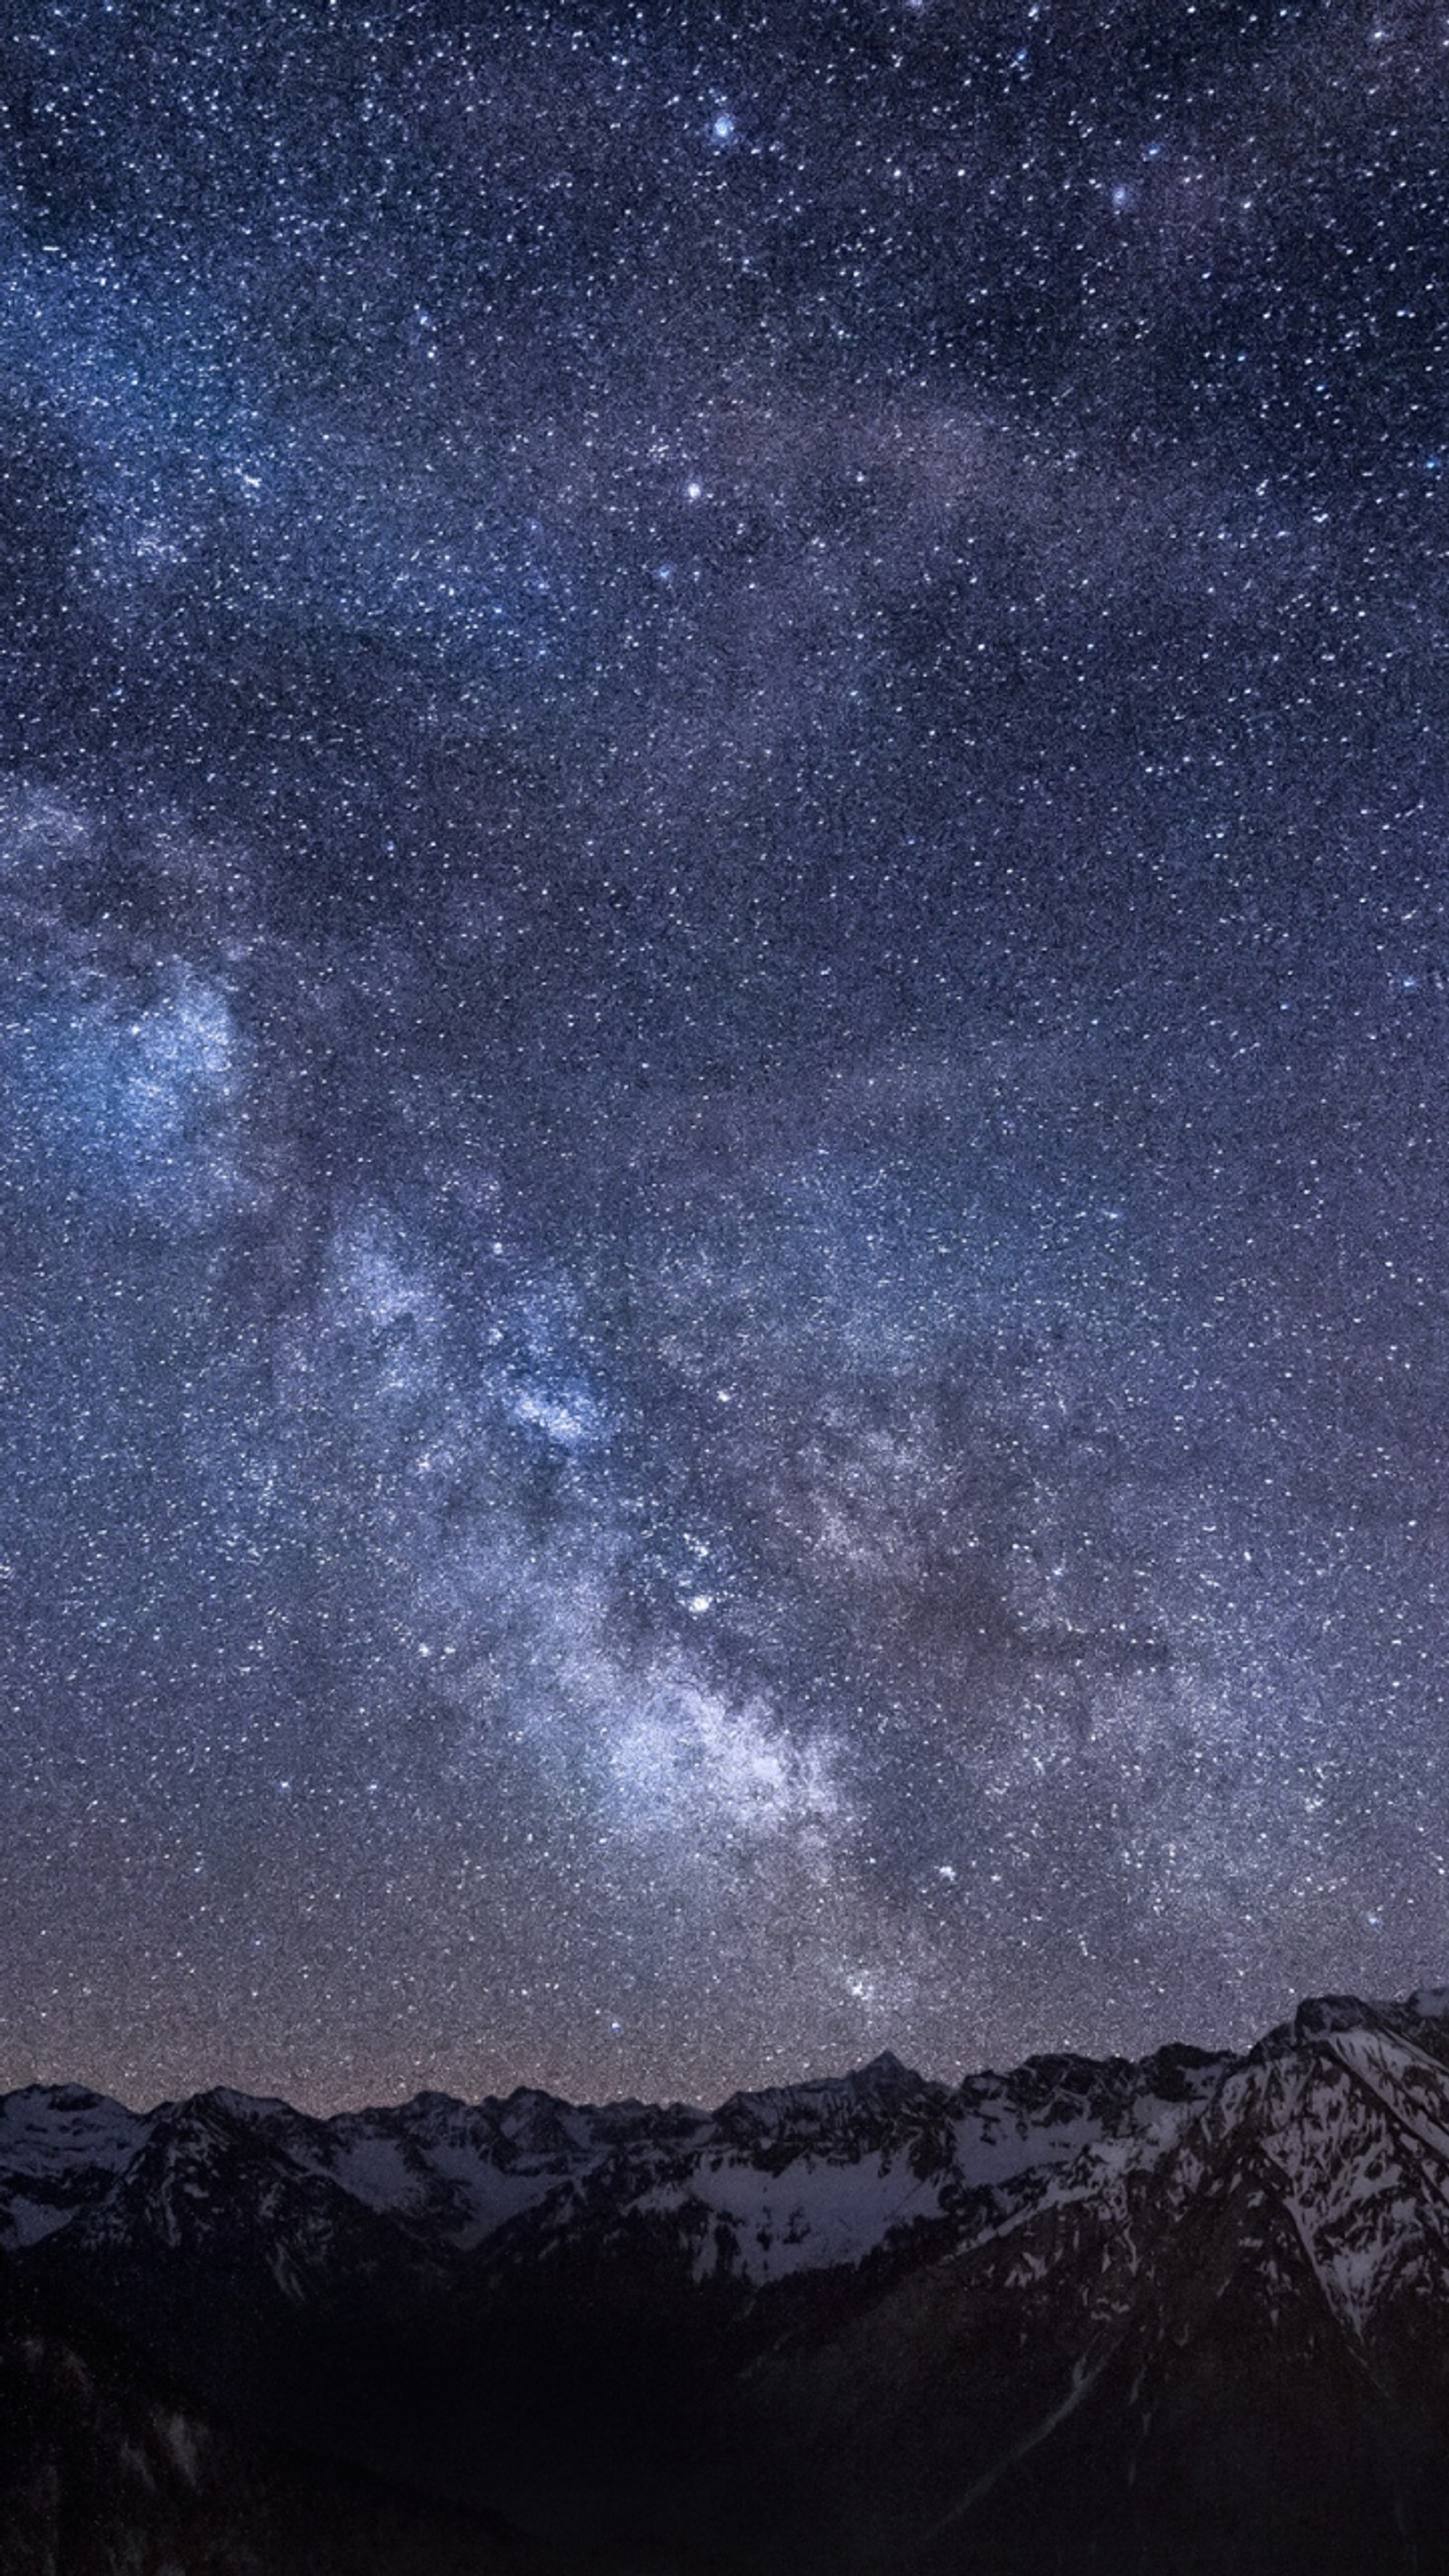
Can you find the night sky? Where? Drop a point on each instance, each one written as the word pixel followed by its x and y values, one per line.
pixel 724 988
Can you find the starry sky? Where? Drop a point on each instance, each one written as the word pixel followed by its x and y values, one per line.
pixel 724 1187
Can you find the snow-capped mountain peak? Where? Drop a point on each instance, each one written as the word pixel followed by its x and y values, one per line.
pixel 949 2311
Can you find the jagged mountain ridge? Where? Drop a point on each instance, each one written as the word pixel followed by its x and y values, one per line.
pixel 1188 2311
pixel 801 2176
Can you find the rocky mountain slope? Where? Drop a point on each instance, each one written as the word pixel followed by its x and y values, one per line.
pixel 1186 2314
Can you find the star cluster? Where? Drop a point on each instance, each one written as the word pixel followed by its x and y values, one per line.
pixel 724 1229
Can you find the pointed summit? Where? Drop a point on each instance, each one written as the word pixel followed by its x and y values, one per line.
pixel 886 2073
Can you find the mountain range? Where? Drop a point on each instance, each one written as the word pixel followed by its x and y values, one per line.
pixel 1186 2314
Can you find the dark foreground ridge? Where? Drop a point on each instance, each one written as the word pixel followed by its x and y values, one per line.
pixel 1187 2315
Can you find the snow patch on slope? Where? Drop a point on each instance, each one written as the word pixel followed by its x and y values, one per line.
pixel 60 2147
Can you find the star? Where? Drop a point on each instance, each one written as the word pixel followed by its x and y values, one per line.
pixel 721 907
